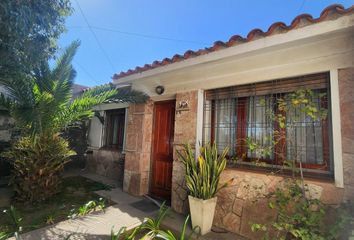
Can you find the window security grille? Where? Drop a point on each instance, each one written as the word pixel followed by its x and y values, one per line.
pixel 246 119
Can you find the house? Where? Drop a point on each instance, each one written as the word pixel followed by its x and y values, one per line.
pixel 215 94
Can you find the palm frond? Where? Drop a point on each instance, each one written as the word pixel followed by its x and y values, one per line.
pixel 98 90
pixel 129 95
pixel 63 74
pixel 19 89
pixel 42 77
pixel 63 68
pixel 81 107
pixel 42 102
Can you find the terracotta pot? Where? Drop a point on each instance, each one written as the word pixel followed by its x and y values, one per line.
pixel 202 213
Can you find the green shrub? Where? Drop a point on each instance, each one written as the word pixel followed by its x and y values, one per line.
pixel 203 175
pixel 87 208
pixel 38 163
pixel 151 229
pixel 300 217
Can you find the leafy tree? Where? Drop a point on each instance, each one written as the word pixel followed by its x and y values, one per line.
pixel 42 107
pixel 28 33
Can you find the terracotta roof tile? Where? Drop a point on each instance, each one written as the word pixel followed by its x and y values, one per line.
pixel 329 13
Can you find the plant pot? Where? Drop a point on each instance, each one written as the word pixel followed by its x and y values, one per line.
pixel 202 213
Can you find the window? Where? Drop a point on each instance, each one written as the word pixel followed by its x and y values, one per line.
pixel 114 128
pixel 272 123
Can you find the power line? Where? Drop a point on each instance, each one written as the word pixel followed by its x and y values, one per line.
pixel 87 72
pixel 95 36
pixel 141 34
pixel 146 36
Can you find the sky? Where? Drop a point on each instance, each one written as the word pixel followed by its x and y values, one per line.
pixel 117 35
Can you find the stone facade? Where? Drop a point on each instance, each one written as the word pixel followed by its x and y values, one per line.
pixel 236 208
pixel 185 132
pixel 346 95
pixel 107 163
pixel 138 148
pixel 243 202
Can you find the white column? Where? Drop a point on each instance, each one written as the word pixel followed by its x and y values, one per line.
pixel 200 113
pixel 336 129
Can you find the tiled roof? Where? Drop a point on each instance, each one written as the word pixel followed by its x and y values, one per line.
pixel 329 13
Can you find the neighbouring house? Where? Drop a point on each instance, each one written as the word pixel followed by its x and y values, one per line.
pixel 215 94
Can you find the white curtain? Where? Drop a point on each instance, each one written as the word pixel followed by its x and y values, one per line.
pixel 260 126
pixel 225 124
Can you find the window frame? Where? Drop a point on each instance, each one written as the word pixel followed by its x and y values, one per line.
pixel 109 127
pixel 310 170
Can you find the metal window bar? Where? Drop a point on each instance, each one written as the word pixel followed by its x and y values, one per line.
pixel 306 139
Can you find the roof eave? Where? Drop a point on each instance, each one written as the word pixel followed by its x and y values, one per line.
pixel 324 28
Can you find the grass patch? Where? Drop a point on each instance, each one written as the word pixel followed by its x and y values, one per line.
pixel 74 193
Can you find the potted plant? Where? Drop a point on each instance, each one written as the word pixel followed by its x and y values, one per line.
pixel 202 180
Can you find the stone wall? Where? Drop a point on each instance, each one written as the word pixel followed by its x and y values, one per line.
pixel 138 148
pixel 346 95
pixel 107 163
pixel 185 132
pixel 243 203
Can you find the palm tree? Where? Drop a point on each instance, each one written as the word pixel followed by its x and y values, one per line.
pixel 42 102
pixel 42 107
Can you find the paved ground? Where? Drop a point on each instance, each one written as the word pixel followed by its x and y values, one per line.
pixel 128 212
pixel 175 221
pixel 92 176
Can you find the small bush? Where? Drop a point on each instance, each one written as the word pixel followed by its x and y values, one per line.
pixel 38 162
pixel 202 176
pixel 301 217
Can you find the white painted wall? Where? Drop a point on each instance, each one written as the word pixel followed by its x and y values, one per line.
pixel 95 133
pixel 304 57
pixel 96 129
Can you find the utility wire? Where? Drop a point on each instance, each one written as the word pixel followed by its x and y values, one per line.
pixel 86 72
pixel 95 36
pixel 141 34
pixel 145 35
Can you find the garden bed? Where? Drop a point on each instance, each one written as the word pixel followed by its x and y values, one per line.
pixel 74 192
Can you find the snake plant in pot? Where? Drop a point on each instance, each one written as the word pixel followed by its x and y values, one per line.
pixel 202 180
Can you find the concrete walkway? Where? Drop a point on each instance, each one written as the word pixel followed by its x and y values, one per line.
pixel 128 212
pixel 174 222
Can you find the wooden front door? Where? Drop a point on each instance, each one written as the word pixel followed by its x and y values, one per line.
pixel 162 153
